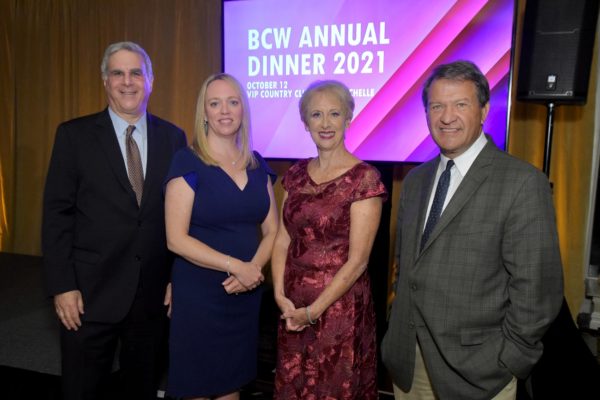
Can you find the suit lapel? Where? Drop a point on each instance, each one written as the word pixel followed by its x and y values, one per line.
pixel 477 174
pixel 156 147
pixel 109 144
pixel 424 196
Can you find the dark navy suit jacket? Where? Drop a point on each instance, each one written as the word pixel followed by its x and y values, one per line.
pixel 95 238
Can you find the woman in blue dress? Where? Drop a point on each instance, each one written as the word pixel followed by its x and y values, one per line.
pixel 218 194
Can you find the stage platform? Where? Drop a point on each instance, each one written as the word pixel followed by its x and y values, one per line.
pixel 29 335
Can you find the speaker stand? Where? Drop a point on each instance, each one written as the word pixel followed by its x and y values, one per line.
pixel 549 129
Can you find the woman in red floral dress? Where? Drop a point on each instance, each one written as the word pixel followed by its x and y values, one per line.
pixel 332 207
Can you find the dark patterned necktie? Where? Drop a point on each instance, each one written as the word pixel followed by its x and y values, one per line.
pixel 134 164
pixel 438 203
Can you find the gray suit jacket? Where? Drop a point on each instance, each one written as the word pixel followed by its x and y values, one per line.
pixel 487 284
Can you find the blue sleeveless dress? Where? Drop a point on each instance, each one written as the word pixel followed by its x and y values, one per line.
pixel 213 339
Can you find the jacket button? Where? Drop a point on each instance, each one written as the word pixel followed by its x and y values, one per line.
pixel 411 325
pixel 138 258
pixel 413 286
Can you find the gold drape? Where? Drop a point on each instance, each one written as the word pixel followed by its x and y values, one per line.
pixel 49 72
pixel 570 169
pixel 7 123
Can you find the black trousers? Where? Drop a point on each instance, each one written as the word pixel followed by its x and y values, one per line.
pixel 88 356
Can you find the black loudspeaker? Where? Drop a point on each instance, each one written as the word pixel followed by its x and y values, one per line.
pixel 556 50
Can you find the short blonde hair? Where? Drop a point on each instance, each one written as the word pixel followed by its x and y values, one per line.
pixel 244 135
pixel 330 86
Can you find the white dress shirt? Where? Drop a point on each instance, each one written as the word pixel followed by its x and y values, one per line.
pixel 140 135
pixel 461 166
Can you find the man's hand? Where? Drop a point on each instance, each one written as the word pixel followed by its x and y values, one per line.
pixel 68 306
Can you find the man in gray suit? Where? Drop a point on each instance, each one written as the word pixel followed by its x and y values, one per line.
pixel 480 276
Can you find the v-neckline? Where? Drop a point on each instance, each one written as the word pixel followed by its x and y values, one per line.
pixel 241 189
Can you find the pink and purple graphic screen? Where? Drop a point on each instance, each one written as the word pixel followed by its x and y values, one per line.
pixel 383 50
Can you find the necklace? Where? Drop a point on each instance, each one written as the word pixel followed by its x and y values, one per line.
pixel 233 163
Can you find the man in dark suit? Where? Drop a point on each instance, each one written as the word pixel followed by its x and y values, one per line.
pixel 105 258
pixel 480 276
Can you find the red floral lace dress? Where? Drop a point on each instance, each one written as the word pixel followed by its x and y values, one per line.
pixel 335 358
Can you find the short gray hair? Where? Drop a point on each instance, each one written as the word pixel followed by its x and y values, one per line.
pixel 129 46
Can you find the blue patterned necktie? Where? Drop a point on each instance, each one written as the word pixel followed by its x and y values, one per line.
pixel 438 202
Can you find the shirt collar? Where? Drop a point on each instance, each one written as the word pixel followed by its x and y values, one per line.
pixel 121 125
pixel 466 159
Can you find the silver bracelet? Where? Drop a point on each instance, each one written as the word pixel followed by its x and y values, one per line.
pixel 310 321
pixel 228 266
